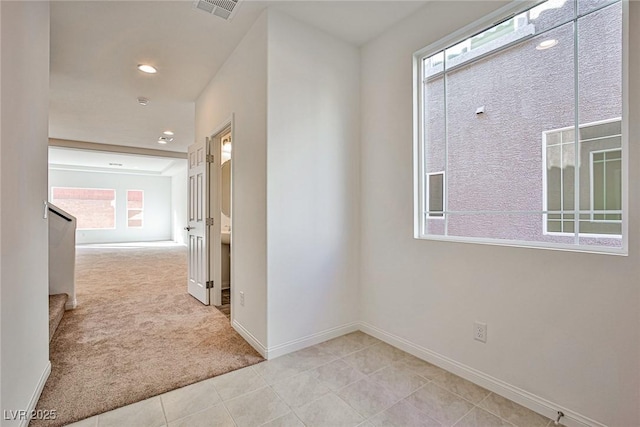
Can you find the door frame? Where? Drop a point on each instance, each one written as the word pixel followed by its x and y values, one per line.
pixel 215 202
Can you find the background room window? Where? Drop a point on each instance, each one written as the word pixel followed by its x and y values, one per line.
pixel 435 196
pixel 94 208
pixel 524 118
pixel 135 208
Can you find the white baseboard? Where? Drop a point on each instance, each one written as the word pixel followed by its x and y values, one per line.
pixel 511 392
pixel 37 392
pixel 248 336
pixel 71 304
pixel 309 340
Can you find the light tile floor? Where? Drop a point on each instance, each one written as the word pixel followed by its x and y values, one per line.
pixel 353 380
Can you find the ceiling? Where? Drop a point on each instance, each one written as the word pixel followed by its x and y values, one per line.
pixel 98 161
pixel 96 46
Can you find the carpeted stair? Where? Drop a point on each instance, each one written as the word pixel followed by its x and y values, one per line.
pixel 56 311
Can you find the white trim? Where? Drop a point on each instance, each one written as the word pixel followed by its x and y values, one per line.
pixel 71 304
pixel 248 336
pixel 529 400
pixel 625 125
pixel 309 340
pixel 418 159
pixel 37 392
pixel 110 148
pixel 603 250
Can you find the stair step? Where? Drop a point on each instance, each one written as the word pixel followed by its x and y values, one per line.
pixel 56 311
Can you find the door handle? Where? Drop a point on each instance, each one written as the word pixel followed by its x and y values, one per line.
pixel 189 228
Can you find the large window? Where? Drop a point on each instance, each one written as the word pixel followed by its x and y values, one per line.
pixel 498 110
pixel 94 208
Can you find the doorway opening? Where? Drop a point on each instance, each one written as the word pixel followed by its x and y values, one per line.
pixel 210 216
pixel 225 222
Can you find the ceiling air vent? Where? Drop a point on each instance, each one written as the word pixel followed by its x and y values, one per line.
pixel 224 9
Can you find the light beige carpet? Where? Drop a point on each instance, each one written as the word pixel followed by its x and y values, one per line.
pixel 135 334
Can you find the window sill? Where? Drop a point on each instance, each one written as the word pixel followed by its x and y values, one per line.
pixel 529 245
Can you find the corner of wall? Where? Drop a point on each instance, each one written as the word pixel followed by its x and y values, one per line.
pixel 24 82
pixel 312 215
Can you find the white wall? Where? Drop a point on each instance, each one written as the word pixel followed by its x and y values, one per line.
pixel 24 327
pixel 312 181
pixel 157 204
pixel 240 88
pixel 563 326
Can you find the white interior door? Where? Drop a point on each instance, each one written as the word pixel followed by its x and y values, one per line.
pixel 197 228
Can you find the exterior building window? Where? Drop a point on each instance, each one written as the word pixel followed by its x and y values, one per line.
pixel 606 186
pixel 135 208
pixel 94 208
pixel 498 110
pixel 601 198
pixel 435 195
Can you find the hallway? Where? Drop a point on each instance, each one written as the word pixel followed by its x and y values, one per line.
pixel 136 332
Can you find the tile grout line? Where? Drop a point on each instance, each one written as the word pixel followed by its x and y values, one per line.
pixel 224 405
pixel 233 420
pixel 401 399
pixel 489 412
pixel 499 416
pixel 164 412
pixel 467 413
pixel 419 410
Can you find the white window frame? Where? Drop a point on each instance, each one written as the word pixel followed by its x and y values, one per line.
pixel 419 203
pixel 430 215
pixel 114 201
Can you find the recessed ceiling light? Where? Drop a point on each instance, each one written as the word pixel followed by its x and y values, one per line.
pixel 142 100
pixel 164 139
pixel 168 132
pixel 146 68
pixel 546 44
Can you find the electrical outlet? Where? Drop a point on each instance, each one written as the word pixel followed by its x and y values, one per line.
pixel 480 331
pixel 242 298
